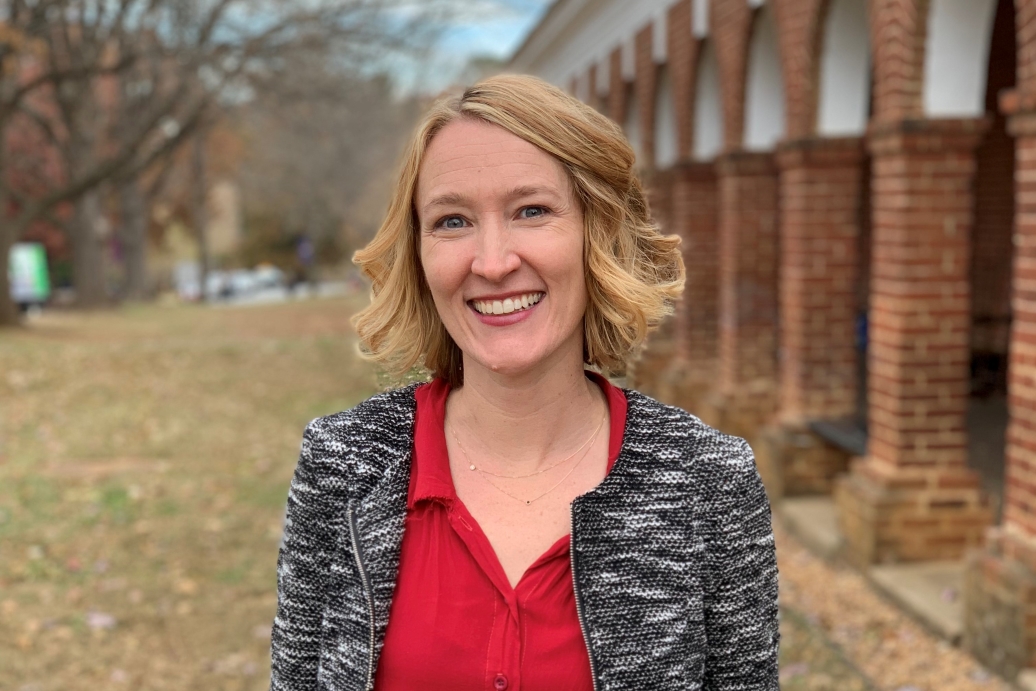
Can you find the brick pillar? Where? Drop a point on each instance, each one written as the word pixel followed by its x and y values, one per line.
pixel 593 96
pixel 913 497
pixel 616 106
pixel 694 218
pixel 1000 579
pixel 655 372
pixel 821 194
pixel 746 391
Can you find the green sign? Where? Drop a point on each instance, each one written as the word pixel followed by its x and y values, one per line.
pixel 30 282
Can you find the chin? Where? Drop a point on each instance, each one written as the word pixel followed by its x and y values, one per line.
pixel 508 365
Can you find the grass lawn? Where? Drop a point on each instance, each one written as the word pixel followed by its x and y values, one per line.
pixel 145 457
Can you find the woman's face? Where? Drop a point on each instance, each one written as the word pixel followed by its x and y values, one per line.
pixel 502 248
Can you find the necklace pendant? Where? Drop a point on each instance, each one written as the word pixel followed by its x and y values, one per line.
pixel 528 502
pixel 472 466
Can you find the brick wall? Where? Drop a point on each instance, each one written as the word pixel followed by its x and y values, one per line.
pixel 748 193
pixel 695 217
pixel 819 272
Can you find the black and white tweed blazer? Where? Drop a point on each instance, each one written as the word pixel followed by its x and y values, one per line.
pixel 673 556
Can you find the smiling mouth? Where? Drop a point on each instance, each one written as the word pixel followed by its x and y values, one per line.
pixel 507 306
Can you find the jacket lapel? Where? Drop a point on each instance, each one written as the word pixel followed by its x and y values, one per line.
pixel 633 555
pixel 380 475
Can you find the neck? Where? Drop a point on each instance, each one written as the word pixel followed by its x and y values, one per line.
pixel 523 421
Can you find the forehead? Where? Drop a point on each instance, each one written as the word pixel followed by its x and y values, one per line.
pixel 474 157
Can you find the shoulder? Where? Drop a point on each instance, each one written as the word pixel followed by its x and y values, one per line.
pixel 381 414
pixel 364 440
pixel 682 440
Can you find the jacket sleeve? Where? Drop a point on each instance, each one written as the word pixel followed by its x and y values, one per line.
pixel 741 621
pixel 302 573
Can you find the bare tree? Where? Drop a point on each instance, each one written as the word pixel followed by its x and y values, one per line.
pixel 186 59
pixel 322 142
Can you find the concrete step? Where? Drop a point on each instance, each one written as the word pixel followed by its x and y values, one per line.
pixel 813 521
pixel 928 591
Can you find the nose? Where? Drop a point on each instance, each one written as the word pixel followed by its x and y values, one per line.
pixel 495 257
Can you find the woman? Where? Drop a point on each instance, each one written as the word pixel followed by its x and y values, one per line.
pixel 519 522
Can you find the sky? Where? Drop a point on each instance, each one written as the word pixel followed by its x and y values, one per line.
pixel 492 28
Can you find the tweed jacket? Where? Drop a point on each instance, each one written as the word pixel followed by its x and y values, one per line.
pixel 673 559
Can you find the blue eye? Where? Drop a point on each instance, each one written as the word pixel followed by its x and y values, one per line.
pixel 533 212
pixel 450 223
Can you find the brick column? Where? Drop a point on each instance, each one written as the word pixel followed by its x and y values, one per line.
pixel 616 104
pixel 655 372
pixel 913 497
pixel 821 194
pixel 694 217
pixel 1000 579
pixel 746 391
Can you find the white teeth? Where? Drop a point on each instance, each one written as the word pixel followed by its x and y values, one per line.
pixel 508 305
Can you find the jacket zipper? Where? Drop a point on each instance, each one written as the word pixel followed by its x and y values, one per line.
pixel 354 533
pixel 578 599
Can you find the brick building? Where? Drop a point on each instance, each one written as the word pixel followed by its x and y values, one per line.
pixel 855 185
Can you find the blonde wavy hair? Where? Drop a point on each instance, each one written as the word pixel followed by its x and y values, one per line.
pixel 633 272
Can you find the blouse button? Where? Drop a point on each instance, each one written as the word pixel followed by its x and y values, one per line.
pixel 500 683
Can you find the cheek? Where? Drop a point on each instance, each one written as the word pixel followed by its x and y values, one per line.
pixel 444 270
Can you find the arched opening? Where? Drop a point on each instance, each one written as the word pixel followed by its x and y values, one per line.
pixel 844 107
pixel 708 106
pixel 666 141
pixel 956 52
pixel 844 75
pixel 764 89
pixel 631 122
pixel 992 255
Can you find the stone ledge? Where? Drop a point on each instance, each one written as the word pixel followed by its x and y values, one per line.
pixel 931 592
pixel 813 522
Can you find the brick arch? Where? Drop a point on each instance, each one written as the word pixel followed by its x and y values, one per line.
pixel 1025 18
pixel 730 25
pixel 797 22
pixel 897 45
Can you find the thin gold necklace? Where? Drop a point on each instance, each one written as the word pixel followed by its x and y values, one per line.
pixel 539 496
pixel 471 466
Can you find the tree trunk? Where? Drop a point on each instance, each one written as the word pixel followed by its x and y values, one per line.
pixel 8 310
pixel 9 315
pixel 200 210
pixel 88 252
pixel 133 238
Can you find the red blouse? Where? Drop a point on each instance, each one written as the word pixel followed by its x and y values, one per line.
pixel 456 624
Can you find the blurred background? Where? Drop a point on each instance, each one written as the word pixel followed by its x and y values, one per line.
pixel 183 183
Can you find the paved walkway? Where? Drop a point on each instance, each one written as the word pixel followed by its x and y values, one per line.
pixel 838 633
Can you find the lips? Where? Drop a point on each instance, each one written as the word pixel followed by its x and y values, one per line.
pixel 516 303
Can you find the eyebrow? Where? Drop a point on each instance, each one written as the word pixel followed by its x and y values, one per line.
pixel 520 192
